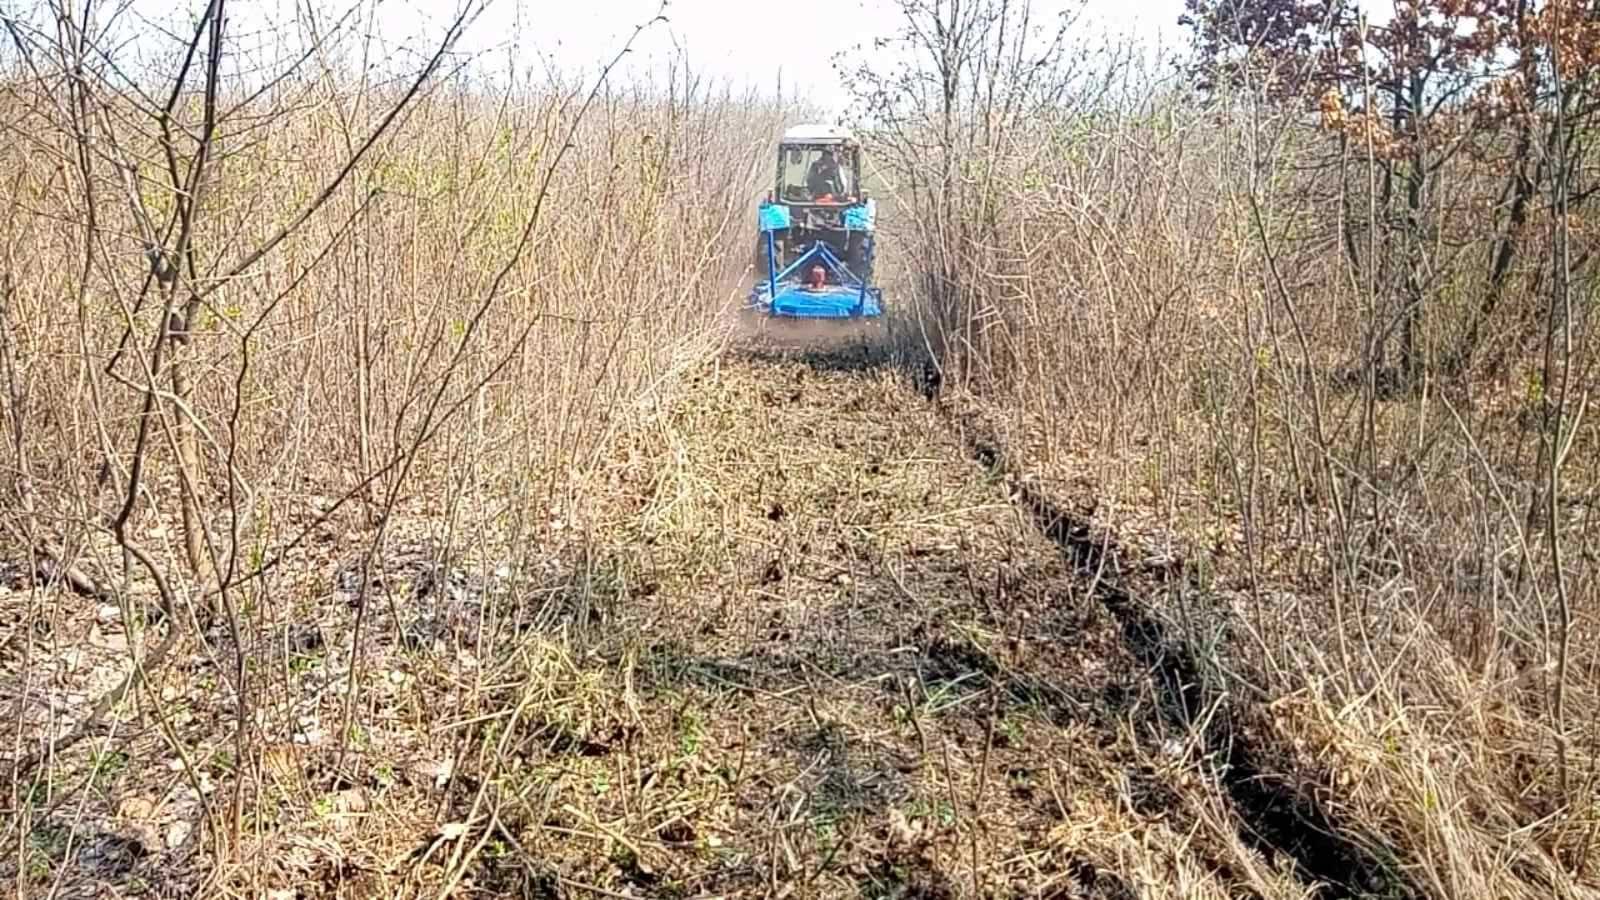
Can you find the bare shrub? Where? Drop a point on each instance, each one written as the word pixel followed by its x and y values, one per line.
pixel 1192 283
pixel 287 352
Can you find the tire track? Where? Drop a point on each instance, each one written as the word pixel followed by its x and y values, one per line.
pixel 1277 818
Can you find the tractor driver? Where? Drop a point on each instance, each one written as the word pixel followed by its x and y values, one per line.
pixel 824 177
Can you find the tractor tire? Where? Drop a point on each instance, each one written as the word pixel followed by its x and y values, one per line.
pixel 761 254
pixel 859 256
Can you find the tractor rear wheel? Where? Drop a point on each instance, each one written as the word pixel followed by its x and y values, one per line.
pixel 761 254
pixel 858 256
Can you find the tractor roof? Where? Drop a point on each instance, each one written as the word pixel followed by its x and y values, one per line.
pixel 818 134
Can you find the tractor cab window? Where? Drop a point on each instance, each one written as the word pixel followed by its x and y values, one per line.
pixel 808 177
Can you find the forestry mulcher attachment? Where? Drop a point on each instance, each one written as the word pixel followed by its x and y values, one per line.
pixel 817 230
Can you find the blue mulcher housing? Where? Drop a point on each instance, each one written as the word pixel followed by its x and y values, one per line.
pixel 817 231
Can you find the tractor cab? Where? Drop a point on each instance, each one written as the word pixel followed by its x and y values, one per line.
pixel 818 165
pixel 816 229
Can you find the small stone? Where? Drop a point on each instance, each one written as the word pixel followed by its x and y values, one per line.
pixel 352 800
pixel 437 772
pixel 135 808
pixel 177 833
pixel 900 832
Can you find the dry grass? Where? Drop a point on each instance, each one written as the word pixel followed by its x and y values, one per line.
pixel 403 415
pixel 549 596
pixel 803 649
pixel 1390 624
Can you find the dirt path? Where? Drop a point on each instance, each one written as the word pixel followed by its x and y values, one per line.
pixel 839 662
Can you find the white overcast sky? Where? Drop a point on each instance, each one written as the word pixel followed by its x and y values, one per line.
pixel 747 41
pixel 753 39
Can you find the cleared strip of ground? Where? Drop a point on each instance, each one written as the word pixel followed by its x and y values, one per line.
pixel 840 662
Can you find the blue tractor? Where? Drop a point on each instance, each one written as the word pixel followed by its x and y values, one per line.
pixel 817 230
